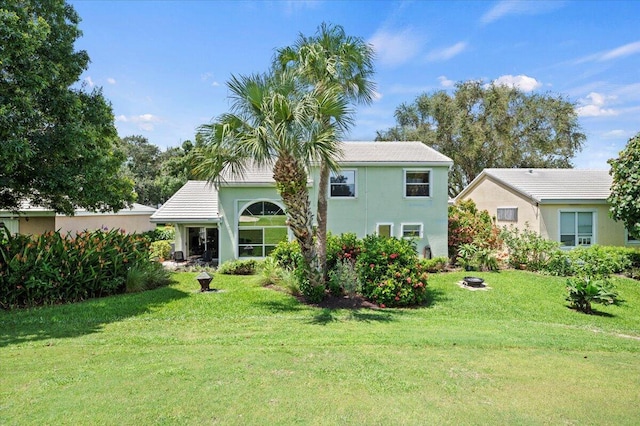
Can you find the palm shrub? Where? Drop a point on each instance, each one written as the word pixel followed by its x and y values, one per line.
pixel 343 278
pixel 584 289
pixel 390 272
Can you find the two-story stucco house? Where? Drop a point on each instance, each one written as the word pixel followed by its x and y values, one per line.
pixel 387 188
pixel 565 205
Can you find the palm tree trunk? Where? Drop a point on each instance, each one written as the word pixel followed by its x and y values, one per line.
pixel 291 181
pixel 321 232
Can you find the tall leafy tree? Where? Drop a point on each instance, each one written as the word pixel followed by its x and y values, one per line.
pixel 142 164
pixel 625 190
pixel 273 122
pixel 58 142
pixel 486 125
pixel 327 61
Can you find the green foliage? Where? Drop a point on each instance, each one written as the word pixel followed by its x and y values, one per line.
pixel 287 255
pixel 585 289
pixel 59 142
pixel 528 250
pixel 390 273
pixel 468 225
pixel 486 125
pixel 146 276
pixel 343 247
pixel 437 264
pixel 51 268
pixel 238 267
pixel 625 189
pixel 160 250
pixel 474 258
pixel 343 278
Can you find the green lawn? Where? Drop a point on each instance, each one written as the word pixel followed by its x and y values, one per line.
pixel 249 355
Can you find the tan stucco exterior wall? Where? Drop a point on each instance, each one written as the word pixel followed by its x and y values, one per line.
pixel 130 223
pixel 489 195
pixel 608 232
pixel 36 225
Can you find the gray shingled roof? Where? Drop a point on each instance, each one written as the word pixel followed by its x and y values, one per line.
pixel 196 201
pixel 556 184
pixel 391 152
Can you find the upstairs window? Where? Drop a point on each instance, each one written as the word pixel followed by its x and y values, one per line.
pixel 342 184
pixel 416 183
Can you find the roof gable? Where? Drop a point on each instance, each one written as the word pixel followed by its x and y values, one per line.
pixel 197 200
pixel 543 185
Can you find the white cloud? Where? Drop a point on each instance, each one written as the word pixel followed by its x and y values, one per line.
pixel 626 50
pixel 376 95
pixel 522 82
pixel 396 48
pixel 593 106
pixel 209 77
pixel 145 121
pixel 614 134
pixel 89 81
pixel 518 7
pixel 447 52
pixel 445 82
pixel 111 80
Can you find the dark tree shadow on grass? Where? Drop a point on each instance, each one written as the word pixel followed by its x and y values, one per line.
pixel 78 319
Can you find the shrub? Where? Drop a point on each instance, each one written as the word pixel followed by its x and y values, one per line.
pixel 238 267
pixel 529 250
pixel 344 247
pixel 468 225
pixel 343 278
pixel 599 261
pixel 390 273
pixel 287 255
pixel 52 268
pixel 160 250
pixel 583 290
pixel 161 233
pixel 437 264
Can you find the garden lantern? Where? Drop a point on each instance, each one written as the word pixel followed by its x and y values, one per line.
pixel 204 279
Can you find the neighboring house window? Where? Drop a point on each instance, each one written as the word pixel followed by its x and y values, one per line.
pixel 416 183
pixel 342 184
pixel 577 228
pixel 385 229
pixel 632 239
pixel 507 214
pixel 261 226
pixel 411 230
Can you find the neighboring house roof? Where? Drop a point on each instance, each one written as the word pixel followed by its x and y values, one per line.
pixel 550 185
pixel 196 201
pixel 134 210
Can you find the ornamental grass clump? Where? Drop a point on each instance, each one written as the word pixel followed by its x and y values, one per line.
pixel 53 268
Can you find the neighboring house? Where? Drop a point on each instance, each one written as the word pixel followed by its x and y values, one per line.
pixel 387 188
pixel 565 205
pixel 36 220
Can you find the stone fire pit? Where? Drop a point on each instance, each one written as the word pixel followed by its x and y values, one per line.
pixel 474 282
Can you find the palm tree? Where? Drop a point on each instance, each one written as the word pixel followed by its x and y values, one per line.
pixel 274 123
pixel 330 61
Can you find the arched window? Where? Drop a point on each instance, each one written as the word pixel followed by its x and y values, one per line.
pixel 261 226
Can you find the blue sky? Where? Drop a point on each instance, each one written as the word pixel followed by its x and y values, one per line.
pixel 164 64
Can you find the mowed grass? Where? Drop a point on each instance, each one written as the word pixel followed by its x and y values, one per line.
pixel 514 354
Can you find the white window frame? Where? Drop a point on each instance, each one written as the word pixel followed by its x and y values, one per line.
pixel 241 206
pixel 507 209
pixel 405 183
pixel 355 184
pixel 389 224
pixel 594 226
pixel 420 232
pixel 630 240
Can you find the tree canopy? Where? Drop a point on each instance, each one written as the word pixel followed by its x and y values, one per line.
pixel 486 125
pixel 625 190
pixel 59 143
